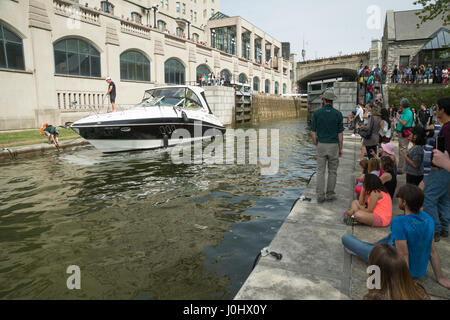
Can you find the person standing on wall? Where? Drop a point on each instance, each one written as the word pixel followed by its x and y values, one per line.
pixel 327 132
pixel 112 93
pixel 404 125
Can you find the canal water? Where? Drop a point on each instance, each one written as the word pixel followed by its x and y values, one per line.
pixel 139 226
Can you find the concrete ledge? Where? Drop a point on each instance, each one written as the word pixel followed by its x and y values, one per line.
pixel 10 154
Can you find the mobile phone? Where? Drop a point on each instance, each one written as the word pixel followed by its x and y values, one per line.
pixel 440 143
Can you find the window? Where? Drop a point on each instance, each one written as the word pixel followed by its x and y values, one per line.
pixel 212 12
pixel 11 50
pixel 161 26
pixel 191 16
pixel 202 70
pixel 277 88
pixel 134 66
pixel 284 88
pixel 136 17
pixel 178 7
pixel 242 78
pixel 167 4
pixel 195 37
pixel 107 7
pixel 256 84
pixel 404 61
pixel 184 8
pixel 174 72
pixel 226 74
pixel 76 57
pixel 267 86
pixel 180 32
pixel 195 16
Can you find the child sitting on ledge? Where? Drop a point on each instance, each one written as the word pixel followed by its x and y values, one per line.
pixel 374 207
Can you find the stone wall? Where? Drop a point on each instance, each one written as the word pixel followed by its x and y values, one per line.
pixel 270 107
pixel 221 100
pixel 346 93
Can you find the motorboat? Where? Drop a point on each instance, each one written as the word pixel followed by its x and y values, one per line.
pixel 165 117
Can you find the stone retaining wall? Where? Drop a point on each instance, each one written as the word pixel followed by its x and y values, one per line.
pixel 269 107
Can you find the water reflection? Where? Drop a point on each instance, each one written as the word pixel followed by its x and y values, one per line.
pixel 139 226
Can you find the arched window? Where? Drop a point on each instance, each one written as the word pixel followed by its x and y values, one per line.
pixel 284 88
pixel 76 57
pixel 161 26
pixel 256 84
pixel 11 50
pixel 242 78
pixel 195 37
pixel 107 7
pixel 136 17
pixel 201 71
pixel 267 87
pixel 226 74
pixel 180 32
pixel 277 88
pixel 174 72
pixel 134 66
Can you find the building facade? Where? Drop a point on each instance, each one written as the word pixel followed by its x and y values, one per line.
pixel 406 44
pixel 56 54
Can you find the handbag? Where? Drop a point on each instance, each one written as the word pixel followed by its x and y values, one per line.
pixel 366 133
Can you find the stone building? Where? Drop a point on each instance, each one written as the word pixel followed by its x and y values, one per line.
pixel 404 44
pixel 56 54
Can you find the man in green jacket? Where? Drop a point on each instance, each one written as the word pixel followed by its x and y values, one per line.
pixel 327 132
pixel 405 122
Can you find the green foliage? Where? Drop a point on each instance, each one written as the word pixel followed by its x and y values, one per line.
pixel 433 9
pixel 417 94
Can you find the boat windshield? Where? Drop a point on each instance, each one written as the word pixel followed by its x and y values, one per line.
pixel 171 97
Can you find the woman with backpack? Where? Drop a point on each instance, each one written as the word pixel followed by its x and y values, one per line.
pixel 370 132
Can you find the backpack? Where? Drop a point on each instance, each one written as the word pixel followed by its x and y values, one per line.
pixel 366 133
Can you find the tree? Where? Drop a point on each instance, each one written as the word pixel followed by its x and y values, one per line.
pixel 433 9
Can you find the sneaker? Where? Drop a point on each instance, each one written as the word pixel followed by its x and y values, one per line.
pixel 437 236
pixel 353 135
pixel 444 234
pixel 350 221
pixel 332 198
pixel 320 200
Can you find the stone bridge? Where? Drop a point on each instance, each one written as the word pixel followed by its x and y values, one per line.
pixel 327 68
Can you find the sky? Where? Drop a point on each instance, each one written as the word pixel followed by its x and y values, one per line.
pixel 328 27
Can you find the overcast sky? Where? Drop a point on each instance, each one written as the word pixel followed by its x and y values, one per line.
pixel 329 27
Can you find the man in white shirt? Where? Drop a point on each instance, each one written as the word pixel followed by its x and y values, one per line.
pixel 358 118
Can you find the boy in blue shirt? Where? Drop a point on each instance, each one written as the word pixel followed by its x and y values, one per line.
pixel 412 235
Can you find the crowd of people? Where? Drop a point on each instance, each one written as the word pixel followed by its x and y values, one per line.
pixel 420 74
pixel 407 74
pixel 424 147
pixel 212 79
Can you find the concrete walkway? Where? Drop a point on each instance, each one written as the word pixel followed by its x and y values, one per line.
pixel 314 263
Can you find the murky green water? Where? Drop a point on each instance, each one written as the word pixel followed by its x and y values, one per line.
pixel 139 226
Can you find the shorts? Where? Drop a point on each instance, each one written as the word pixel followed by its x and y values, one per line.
pixel 112 98
pixel 377 222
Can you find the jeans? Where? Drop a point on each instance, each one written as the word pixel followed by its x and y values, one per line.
pixel 327 153
pixel 360 248
pixel 402 146
pixel 437 203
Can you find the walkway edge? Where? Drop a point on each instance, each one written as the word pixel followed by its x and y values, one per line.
pixel 10 154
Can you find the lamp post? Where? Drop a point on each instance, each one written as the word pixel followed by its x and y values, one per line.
pixel 155 8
